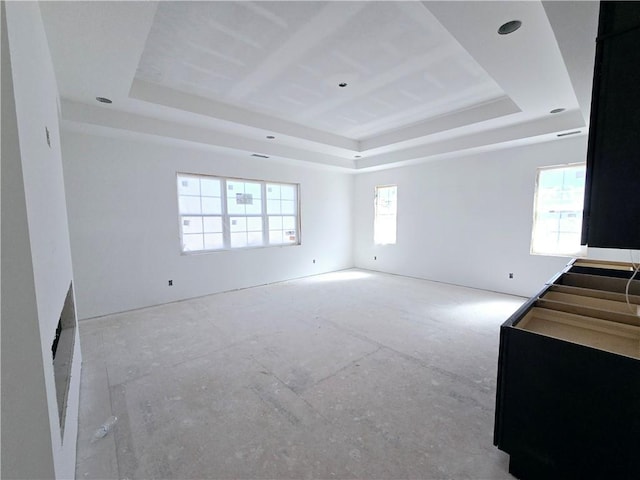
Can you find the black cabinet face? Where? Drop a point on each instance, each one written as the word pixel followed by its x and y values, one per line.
pixel 612 190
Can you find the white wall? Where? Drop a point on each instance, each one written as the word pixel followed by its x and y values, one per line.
pixel 122 201
pixel 23 390
pixel 36 188
pixel 467 220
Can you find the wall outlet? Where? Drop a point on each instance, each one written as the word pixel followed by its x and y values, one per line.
pixel 171 283
pixel 511 275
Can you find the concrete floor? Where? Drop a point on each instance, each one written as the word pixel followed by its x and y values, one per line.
pixel 347 375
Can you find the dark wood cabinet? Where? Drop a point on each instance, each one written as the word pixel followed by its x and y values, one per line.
pixel 612 190
pixel 568 393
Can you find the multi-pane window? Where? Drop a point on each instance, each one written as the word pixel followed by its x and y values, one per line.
pixel 557 216
pixel 386 206
pixel 222 213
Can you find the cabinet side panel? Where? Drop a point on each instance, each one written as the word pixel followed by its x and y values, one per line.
pixel 568 410
pixel 612 210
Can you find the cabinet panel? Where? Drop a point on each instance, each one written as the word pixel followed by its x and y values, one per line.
pixel 568 392
pixel 612 189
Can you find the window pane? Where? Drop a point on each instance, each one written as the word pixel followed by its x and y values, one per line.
pixel 275 237
pixel 238 239
pixel 234 187
pixel 189 205
pixel 209 221
pixel 289 223
pixel 211 205
pixel 288 206
pixel 213 241
pixel 188 185
pixel 275 223
pixel 255 208
pixel 254 239
pixel 254 189
pixel 234 208
pixel 385 222
pixel 385 230
pixel 192 242
pixel 238 224
pixel 191 224
pixel 273 191
pixel 558 206
pixel 273 207
pixel 210 187
pixel 254 224
pixel 288 192
pixel 213 224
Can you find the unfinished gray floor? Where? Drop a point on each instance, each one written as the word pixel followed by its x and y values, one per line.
pixel 347 375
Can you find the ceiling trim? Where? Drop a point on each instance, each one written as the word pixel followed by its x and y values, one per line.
pixel 532 130
pixel 75 112
pixel 478 113
pixel 168 97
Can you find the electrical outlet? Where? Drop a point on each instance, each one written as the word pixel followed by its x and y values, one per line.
pixel 511 275
pixel 171 283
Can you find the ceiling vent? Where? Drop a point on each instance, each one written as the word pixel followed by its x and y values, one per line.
pixel 568 133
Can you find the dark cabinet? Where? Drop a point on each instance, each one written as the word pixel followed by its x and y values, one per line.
pixel 612 189
pixel 568 393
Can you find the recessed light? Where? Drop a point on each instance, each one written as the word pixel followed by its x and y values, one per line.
pixel 509 27
pixel 568 133
pixel 104 100
pixel 270 137
pixel 342 84
pixel 557 110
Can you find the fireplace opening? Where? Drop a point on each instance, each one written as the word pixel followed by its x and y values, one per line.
pixel 62 353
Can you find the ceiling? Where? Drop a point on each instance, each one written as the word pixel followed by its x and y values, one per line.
pixel 349 85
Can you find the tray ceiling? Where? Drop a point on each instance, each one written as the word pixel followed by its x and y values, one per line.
pixel 287 59
pixel 423 78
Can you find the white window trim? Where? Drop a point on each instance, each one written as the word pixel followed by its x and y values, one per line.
pixel 580 250
pixel 375 215
pixel 225 216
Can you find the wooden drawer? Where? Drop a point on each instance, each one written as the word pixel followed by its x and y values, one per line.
pixel 604 335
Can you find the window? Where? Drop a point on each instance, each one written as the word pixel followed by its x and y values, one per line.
pixel 224 213
pixel 384 225
pixel 557 215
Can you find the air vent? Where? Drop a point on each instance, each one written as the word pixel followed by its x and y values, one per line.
pixel 568 133
pixel 259 156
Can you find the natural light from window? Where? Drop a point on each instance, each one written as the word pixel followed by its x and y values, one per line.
pixel 226 213
pixel 557 217
pixel 386 207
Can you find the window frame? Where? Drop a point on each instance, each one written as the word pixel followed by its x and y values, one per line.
pixel 225 216
pixel 376 216
pixel 579 250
